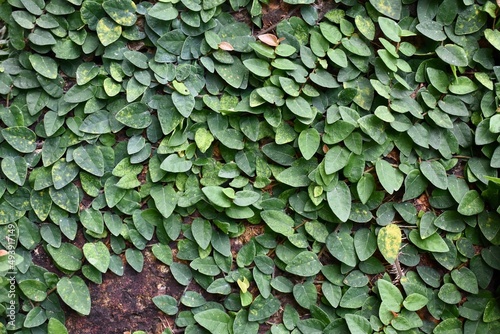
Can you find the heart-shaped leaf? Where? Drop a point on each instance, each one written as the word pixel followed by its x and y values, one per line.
pixel 74 293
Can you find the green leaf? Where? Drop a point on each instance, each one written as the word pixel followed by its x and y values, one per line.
pixel 433 243
pixel 471 204
pixel 415 301
pixel 317 230
pixel 341 246
pixel 203 139
pixel 163 253
pixel 96 123
pixel 217 196
pixel 335 159
pixel 305 294
pixel 390 295
pixel 390 177
pixel 45 66
pixel 74 293
pixel 465 279
pixel 202 232
pixel 166 304
pixel 452 54
pixel 262 308
pixel 90 159
pixel 304 264
pixel 183 103
pixel 15 169
pixel 365 243
pixel 67 257
pixel 205 266
pixel 181 273
pixel 415 185
pixel 448 326
pixel 449 294
pixel 219 286
pixel 332 293
pixel 278 221
pixel 389 242
pixel 435 173
pixel 176 164
pixel 86 72
pixel 34 289
pixel 51 234
pixel 299 106
pixel 92 220
pixel 462 86
pixel 98 255
pixel 390 29
pixel 309 141
pixel 35 317
pixel 492 311
pixel 192 299
pixel 357 46
pixel 56 327
pixel 258 67
pixel 165 199
pixel 135 258
pixel 135 115
pixel 365 187
pixel 242 325
pixel 215 321
pixel 339 200
pixel 493 36
pixel 432 30
pixel 358 324
pixel 163 11
pixel 233 74
pixel 20 138
pixel 246 198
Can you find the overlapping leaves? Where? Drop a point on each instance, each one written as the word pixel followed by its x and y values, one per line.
pixel 352 139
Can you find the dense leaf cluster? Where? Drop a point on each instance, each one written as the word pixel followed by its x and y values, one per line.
pixel 360 139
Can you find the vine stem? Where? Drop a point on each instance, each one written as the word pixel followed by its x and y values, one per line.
pixel 270 28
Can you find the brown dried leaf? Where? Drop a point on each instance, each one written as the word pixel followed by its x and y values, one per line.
pixel 269 39
pixel 225 46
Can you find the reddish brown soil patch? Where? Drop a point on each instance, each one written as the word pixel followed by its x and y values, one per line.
pixel 125 303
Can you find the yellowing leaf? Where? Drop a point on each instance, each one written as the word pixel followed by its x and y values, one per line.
pixel 389 241
pixel 244 284
pixel 108 31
